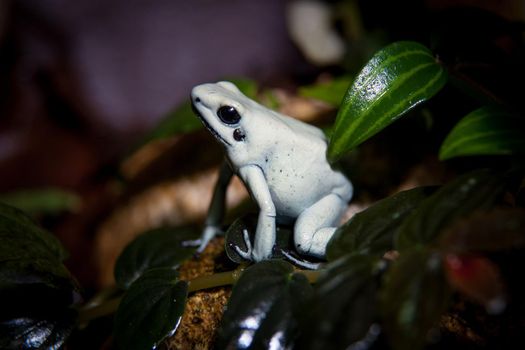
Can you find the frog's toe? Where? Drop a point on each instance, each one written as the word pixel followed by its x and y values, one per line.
pixel 248 253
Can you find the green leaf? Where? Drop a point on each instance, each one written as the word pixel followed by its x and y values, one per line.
pixel 477 190
pixel 183 120
pixel 42 201
pixel 396 79
pixel 37 293
pixel 331 92
pixel 163 247
pixel 151 309
pixel 343 309
pixel 413 297
pixel 372 230
pixel 485 131
pixel 262 308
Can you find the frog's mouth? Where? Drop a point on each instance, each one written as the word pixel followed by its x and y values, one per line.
pixel 208 126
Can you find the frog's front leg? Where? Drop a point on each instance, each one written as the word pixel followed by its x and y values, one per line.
pixel 253 178
pixel 316 225
pixel 217 207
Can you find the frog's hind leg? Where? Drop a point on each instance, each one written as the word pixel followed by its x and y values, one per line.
pixel 316 225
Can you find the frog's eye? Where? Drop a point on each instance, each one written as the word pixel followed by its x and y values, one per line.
pixel 228 115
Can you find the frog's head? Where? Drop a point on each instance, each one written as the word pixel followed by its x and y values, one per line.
pixel 221 108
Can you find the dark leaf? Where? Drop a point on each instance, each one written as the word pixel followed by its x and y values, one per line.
pixel 343 308
pixel 486 131
pixel 261 311
pixel 331 92
pixel 235 238
pixel 486 231
pixel 477 190
pixel 413 298
pixel 37 292
pixel 396 79
pixel 48 331
pixel 150 310
pixel 372 230
pixel 163 247
pixel 478 278
pixel 42 201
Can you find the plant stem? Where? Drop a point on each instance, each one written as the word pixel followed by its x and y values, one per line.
pixel 90 313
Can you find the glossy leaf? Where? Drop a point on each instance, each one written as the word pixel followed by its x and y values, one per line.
pixel 44 331
pixel 477 190
pixel 372 230
pixel 261 311
pixel 42 201
pixel 331 92
pixel 150 310
pixel 486 131
pixel 183 120
pixel 37 293
pixel 414 296
pixel 163 247
pixel 396 79
pixel 343 309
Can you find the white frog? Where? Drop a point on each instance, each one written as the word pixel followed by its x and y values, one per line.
pixel 281 161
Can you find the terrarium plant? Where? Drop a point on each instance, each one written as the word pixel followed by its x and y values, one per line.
pixel 400 274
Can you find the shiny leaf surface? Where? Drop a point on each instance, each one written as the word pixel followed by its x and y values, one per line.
pixel 150 310
pixel 37 292
pixel 477 190
pixel 396 79
pixel 343 308
pixel 163 247
pixel 413 297
pixel 261 311
pixel 372 230
pixel 486 131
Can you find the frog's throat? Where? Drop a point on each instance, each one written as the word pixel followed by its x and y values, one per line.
pixel 208 126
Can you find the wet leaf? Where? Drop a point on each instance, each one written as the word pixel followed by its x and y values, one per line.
pixel 151 309
pixel 372 230
pixel 163 247
pixel 37 293
pixel 343 309
pixel 331 92
pixel 486 231
pixel 261 311
pixel 478 278
pixel 486 131
pixel 477 190
pixel 396 79
pixel 414 296
pixel 42 201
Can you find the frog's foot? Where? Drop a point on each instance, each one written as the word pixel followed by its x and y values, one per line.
pixel 207 235
pixel 249 250
pixel 300 262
